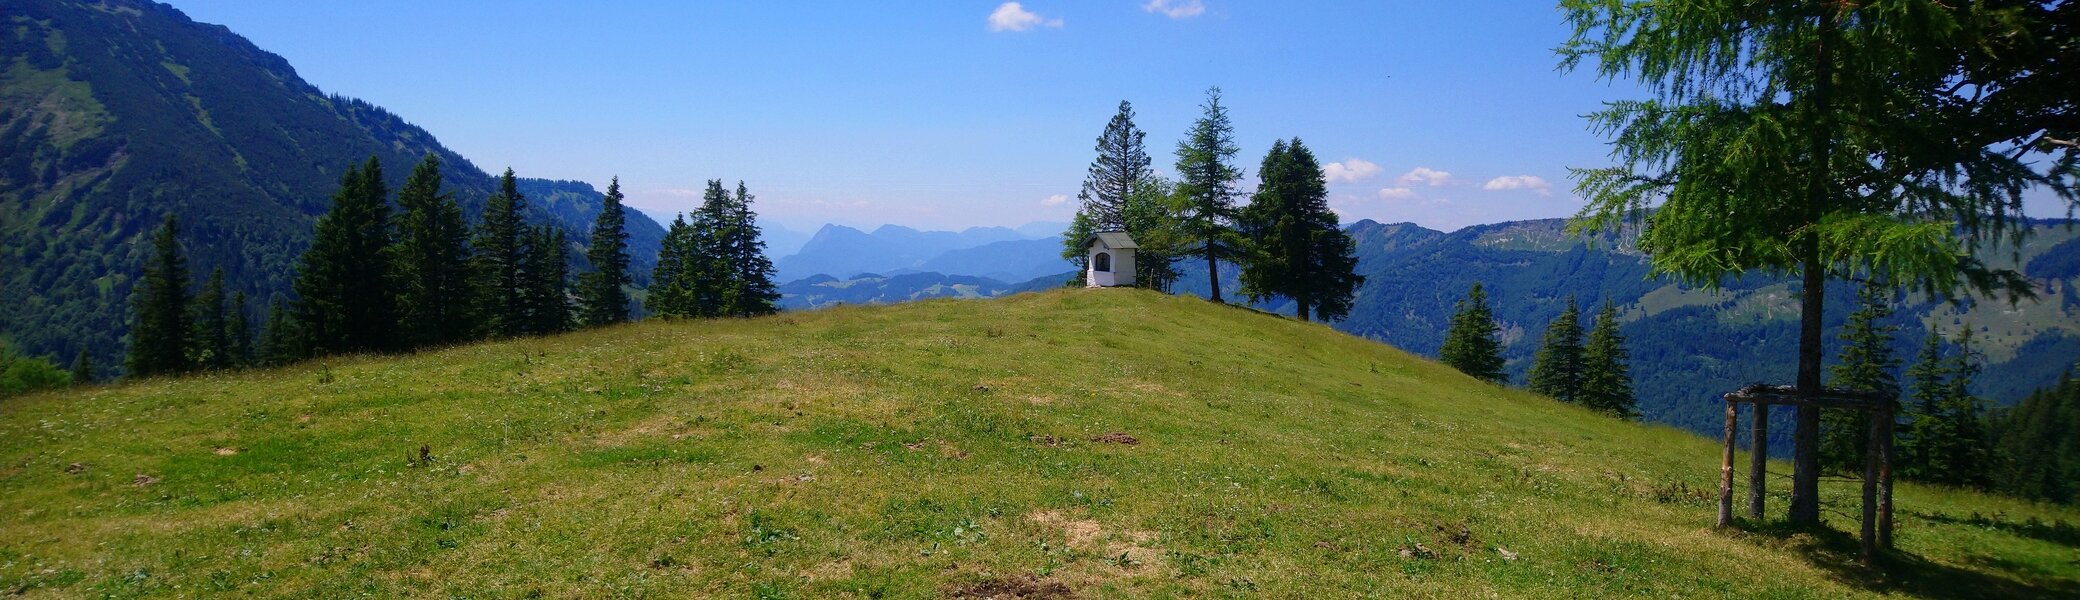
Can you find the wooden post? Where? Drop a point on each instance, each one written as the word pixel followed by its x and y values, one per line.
pixel 1885 452
pixel 1758 458
pixel 1726 469
pixel 1871 458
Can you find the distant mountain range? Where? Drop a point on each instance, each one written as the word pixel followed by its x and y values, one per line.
pixel 996 252
pixel 116 113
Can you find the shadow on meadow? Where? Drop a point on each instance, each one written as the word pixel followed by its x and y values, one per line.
pixel 1898 572
pixel 2061 532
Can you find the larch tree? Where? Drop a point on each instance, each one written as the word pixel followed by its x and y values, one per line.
pixel 500 249
pixel 433 261
pixel 1607 368
pixel 602 292
pixel 1865 363
pixel 1472 344
pixel 1556 371
pixel 1295 247
pixel 160 335
pixel 1207 179
pixel 1818 138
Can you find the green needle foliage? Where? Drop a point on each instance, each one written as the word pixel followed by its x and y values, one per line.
pixel 1865 363
pixel 433 262
pixel 602 292
pixel 1607 368
pixel 500 250
pixel 212 328
pixel 161 337
pixel 346 300
pixel 1296 249
pixel 2037 454
pixel 1207 179
pixel 714 265
pixel 1472 344
pixel 1557 370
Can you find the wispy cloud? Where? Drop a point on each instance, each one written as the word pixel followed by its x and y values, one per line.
pixel 1427 176
pixel 1176 9
pixel 1520 182
pixel 1396 193
pixel 1351 170
pixel 1011 16
pixel 1055 200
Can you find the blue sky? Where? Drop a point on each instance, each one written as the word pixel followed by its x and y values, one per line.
pixel 954 114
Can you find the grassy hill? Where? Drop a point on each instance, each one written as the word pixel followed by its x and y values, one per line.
pixel 1085 443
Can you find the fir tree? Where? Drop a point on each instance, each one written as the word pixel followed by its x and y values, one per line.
pixel 279 341
pixel 1962 454
pixel 83 372
pixel 705 268
pixel 1208 181
pixel 1866 364
pixel 1607 368
pixel 1471 345
pixel 160 338
pixel 749 290
pixel 433 261
pixel 669 286
pixel 344 287
pixel 212 329
pixel 1924 428
pixel 500 246
pixel 1557 370
pixel 545 272
pixel 601 292
pixel 240 328
pixel 1296 250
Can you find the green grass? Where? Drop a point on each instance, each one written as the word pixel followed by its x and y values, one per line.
pixel 924 450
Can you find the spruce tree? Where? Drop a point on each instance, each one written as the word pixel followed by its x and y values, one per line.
pixel 433 261
pixel 1207 180
pixel 2038 453
pixel 161 336
pixel 240 327
pixel 601 294
pixel 1557 370
pixel 1865 364
pixel 345 288
pixel 1295 249
pixel 83 372
pixel 1472 345
pixel 280 343
pixel 706 267
pixel 1962 454
pixel 1924 427
pixel 500 246
pixel 1607 368
pixel 749 290
pixel 669 294
pixel 212 329
pixel 545 272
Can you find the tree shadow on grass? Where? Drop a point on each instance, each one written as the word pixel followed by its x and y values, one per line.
pixel 1896 572
pixel 2061 532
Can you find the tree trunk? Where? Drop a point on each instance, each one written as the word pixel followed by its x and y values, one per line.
pixel 1302 302
pixel 1805 440
pixel 1213 272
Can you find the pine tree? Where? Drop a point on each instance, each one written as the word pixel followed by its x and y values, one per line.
pixel 601 292
pixel 1472 345
pixel 240 328
pixel 161 337
pixel 1607 368
pixel 1865 363
pixel 1295 249
pixel 500 246
pixel 1557 370
pixel 749 290
pixel 212 330
pixel 433 261
pixel 669 294
pixel 1208 181
pixel 1121 165
pixel 545 272
pixel 1924 428
pixel 345 288
pixel 279 341
pixel 83 372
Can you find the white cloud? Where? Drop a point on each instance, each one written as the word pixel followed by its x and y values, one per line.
pixel 1349 171
pixel 1396 193
pixel 1055 200
pixel 1176 9
pixel 1011 16
pixel 1520 182
pixel 1426 175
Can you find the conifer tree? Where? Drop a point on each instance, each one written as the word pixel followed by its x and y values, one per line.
pixel 749 290
pixel 1607 368
pixel 1295 249
pixel 601 294
pixel 1557 370
pixel 669 294
pixel 2038 453
pixel 500 246
pixel 1866 364
pixel 83 372
pixel 212 330
pixel 545 274
pixel 279 341
pixel 1151 217
pixel 1122 164
pixel 240 328
pixel 1207 180
pixel 433 261
pixel 1472 345
pixel 345 287
pixel 1961 454
pixel 1081 227
pixel 161 337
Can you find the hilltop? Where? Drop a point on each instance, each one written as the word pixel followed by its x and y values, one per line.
pixel 1085 443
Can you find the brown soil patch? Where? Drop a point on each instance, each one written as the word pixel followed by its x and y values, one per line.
pixel 142 480
pixel 1047 440
pixel 1080 532
pixel 222 451
pixel 76 468
pixel 1116 438
pixel 1023 587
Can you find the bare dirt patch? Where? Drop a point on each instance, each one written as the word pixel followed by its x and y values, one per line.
pixel 1116 437
pixel 224 451
pixel 1022 587
pixel 1079 532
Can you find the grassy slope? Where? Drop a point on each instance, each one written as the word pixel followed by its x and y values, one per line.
pixel 850 452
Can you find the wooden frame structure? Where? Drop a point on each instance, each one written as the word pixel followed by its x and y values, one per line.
pixel 1877 465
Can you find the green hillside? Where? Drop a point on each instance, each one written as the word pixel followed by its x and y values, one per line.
pixel 1073 443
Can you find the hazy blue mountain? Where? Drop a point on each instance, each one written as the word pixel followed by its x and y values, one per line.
pixel 1015 260
pixel 869 288
pixel 842 251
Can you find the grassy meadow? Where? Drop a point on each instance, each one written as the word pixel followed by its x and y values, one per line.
pixel 1075 443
